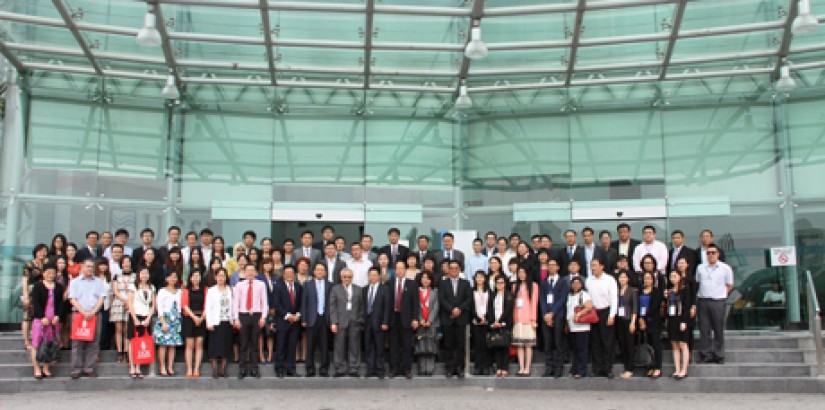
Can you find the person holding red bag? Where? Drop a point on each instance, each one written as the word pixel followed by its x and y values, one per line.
pixel 141 305
pixel 86 294
pixel 46 297
pixel 579 332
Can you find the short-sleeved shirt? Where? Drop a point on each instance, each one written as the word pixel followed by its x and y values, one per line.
pixel 572 303
pixel 87 291
pixel 713 280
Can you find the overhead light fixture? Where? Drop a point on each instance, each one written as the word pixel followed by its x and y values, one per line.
pixel 805 22
pixel 170 91
pixel 148 36
pixel 463 101
pixel 476 48
pixel 785 83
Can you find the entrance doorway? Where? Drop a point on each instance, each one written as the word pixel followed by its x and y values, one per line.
pixel 281 230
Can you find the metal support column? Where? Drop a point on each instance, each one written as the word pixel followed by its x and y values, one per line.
pixel 786 191
pixel 174 162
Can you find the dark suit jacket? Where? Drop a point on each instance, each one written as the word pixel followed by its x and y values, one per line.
pixel 631 248
pixel 403 251
pixel 506 317
pixel 381 307
pixel 612 258
pixel 320 245
pixel 40 297
pixel 598 253
pixel 564 260
pixel 283 304
pixel 447 301
pixel 560 292
pixel 84 253
pixel 457 256
pixel 335 275
pixel 309 302
pixel 653 316
pixel 686 252
pixel 410 302
pixel 315 256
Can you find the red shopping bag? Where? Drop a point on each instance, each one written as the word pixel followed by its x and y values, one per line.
pixel 83 329
pixel 143 348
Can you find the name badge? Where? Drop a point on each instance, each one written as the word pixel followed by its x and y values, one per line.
pixel 550 299
pixel 621 311
pixel 349 305
pixel 671 310
pixel 643 311
pixel 519 303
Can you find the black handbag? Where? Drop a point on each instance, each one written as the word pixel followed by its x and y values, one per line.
pixel 49 350
pixel 498 338
pixel 644 353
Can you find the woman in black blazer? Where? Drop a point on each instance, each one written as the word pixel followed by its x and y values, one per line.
pixel 626 318
pixel 500 318
pixel 679 301
pixel 480 325
pixel 46 299
pixel 650 320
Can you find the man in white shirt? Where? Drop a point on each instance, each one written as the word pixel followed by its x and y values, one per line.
pixel 121 237
pixel 359 265
pixel 603 292
pixel 191 240
pixel 477 261
pixel 341 248
pixel 715 280
pixel 505 255
pixel 206 245
pixel 653 247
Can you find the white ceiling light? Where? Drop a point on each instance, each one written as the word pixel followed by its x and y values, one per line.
pixel 805 22
pixel 785 83
pixel 170 91
pixel 463 101
pixel 476 48
pixel 148 36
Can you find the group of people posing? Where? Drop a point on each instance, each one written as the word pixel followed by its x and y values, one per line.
pixel 394 306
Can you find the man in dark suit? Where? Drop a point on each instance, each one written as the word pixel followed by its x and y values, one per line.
pixel 346 320
pixel 147 237
pixel 611 254
pixel 315 314
pixel 406 306
pixel 91 250
pixel 306 250
pixel 679 250
pixel 333 263
pixel 395 250
pixel 591 249
pixel 377 319
pixel 571 252
pixel 423 249
pixel 327 236
pixel 287 301
pixel 454 300
pixel 625 245
pixel 448 240
pixel 706 238
pixel 490 244
pixel 552 315
pixel 172 239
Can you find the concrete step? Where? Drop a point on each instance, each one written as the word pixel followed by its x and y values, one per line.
pixel 63 369
pixel 689 385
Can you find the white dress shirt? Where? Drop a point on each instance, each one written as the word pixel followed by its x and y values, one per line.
pixel 360 271
pixel 604 292
pixel 714 280
pixel 657 249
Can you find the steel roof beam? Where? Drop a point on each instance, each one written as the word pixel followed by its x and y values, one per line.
pixel 477 14
pixel 11 57
pixel 574 43
pixel 166 44
pixel 678 14
pixel 787 36
pixel 267 32
pixel 368 31
pixel 78 36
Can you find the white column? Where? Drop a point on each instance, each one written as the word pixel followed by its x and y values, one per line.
pixel 13 161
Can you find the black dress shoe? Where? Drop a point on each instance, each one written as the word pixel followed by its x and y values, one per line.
pixel 323 374
pixel 339 374
pixel 381 376
pixel 720 360
pixel 459 373
pixel 241 374
pixel 408 375
pixel 559 372
pixel 609 375
pixel 279 375
pixel 477 372
pixel 354 374
pixel 291 374
pixel 309 374
pixel 256 374
pixel 548 373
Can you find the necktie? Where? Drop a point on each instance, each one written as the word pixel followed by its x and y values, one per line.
pixel 675 254
pixel 249 297
pixel 291 295
pixel 570 252
pixel 320 297
pixel 421 256
pixel 449 255
pixel 398 295
pixel 552 283
pixel 455 286
pixel 394 250
pixel 348 300
pixel 306 252
pixel 371 299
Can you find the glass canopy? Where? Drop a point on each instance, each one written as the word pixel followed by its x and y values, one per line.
pixel 366 47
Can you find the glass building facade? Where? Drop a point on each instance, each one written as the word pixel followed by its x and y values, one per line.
pixel 681 131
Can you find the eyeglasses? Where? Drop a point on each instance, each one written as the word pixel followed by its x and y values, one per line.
pixel 712 252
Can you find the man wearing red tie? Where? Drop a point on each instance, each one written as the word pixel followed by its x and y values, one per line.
pixel 251 305
pixel 286 300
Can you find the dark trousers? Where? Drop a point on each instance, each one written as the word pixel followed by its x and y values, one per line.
pixel 626 342
pixel 105 330
pixel 579 346
pixel 480 350
pixel 401 347
pixel 374 341
pixel 654 338
pixel 248 341
pixel 553 341
pixel 455 344
pixel 501 355
pixel 601 343
pixel 318 336
pixel 711 319
pixel 286 341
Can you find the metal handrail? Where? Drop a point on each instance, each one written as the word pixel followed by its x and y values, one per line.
pixel 815 322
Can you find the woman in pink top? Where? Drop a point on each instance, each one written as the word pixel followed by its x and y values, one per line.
pixel 524 319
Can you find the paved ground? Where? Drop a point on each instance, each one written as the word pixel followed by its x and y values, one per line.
pixel 423 399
